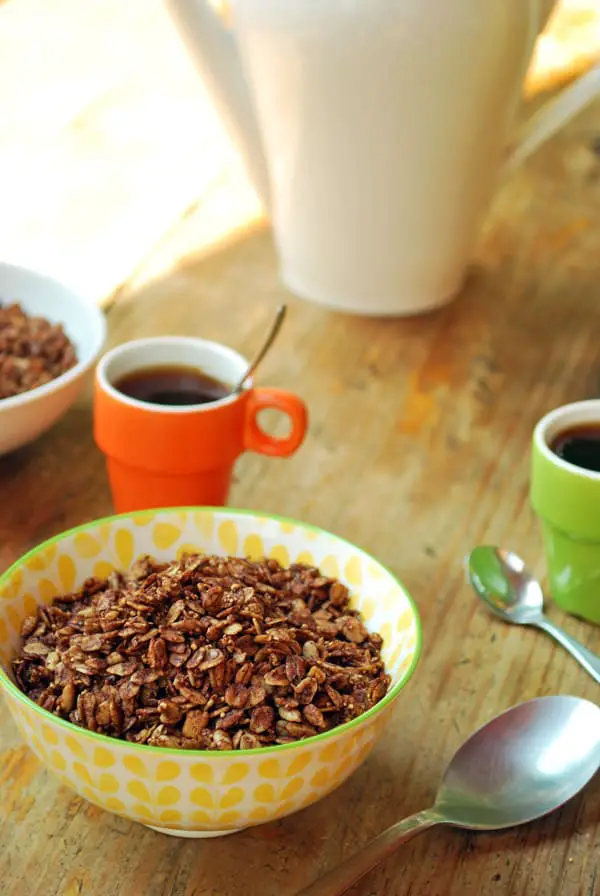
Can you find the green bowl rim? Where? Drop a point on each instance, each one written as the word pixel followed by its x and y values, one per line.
pixel 101 739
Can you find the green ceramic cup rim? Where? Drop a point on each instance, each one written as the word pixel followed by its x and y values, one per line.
pixel 9 685
pixel 562 494
pixel 561 418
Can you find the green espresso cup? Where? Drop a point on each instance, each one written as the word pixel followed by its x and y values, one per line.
pixel 567 500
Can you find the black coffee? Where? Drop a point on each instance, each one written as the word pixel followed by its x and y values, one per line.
pixel 172 385
pixel 580 446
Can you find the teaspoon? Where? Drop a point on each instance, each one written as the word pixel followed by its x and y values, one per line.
pixel 521 765
pixel 270 339
pixel 503 582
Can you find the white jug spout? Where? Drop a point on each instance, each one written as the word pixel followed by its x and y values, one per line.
pixel 214 50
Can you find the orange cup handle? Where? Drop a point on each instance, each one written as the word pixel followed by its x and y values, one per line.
pixel 256 439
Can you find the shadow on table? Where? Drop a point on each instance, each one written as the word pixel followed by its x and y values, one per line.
pixel 54 483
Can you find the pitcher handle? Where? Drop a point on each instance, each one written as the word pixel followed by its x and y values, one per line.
pixel 212 46
pixel 557 111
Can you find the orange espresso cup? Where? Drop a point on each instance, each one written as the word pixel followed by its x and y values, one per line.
pixel 183 455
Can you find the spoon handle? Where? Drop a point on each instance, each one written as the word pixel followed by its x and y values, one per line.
pixel 590 661
pixel 275 328
pixel 341 878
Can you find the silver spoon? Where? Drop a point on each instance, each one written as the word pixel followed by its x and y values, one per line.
pixel 503 582
pixel 271 336
pixel 523 764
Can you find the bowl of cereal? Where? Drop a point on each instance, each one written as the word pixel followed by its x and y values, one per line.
pixel 203 670
pixel 49 338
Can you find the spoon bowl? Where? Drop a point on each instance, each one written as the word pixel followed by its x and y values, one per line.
pixel 502 581
pixel 520 766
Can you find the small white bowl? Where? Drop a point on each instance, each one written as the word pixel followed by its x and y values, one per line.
pixel 24 417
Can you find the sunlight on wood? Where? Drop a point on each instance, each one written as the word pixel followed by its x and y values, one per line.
pixel 570 44
pixel 107 142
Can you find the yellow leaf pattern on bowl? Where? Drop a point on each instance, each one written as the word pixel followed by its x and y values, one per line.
pixel 186 790
pixel 102 569
pixel 143 519
pixel 228 537
pixel 201 796
pixel 103 758
pixel 167 771
pixel 139 790
pixel 165 535
pixel 29 605
pixel 136 766
pixel 124 548
pixel 202 772
pixel 281 554
pixel 235 773
pixel 86 545
pixel 305 557
pixel 47 590
pixel 36 562
pixel 170 815
pixel 204 523
pixel 66 573
pixel 254 547
pixel 108 783
pixel 15 618
pixel 270 769
pixel 232 797
pixel 330 567
pixel 187 548
pixel 354 570
pixel 168 796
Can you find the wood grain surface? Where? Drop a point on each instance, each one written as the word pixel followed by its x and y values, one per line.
pixel 418 450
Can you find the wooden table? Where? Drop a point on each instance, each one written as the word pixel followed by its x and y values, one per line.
pixel 418 450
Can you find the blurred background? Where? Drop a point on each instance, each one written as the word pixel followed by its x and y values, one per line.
pixel 110 150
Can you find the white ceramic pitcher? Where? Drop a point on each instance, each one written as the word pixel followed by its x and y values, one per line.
pixel 374 131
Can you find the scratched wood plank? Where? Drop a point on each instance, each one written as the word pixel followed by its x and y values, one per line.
pixel 418 449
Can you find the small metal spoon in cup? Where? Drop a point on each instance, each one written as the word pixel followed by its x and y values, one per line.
pixel 522 765
pixel 503 582
pixel 272 334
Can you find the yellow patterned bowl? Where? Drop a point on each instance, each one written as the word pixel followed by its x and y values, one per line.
pixel 202 793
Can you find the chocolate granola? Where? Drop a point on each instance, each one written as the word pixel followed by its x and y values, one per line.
pixel 33 351
pixel 205 653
